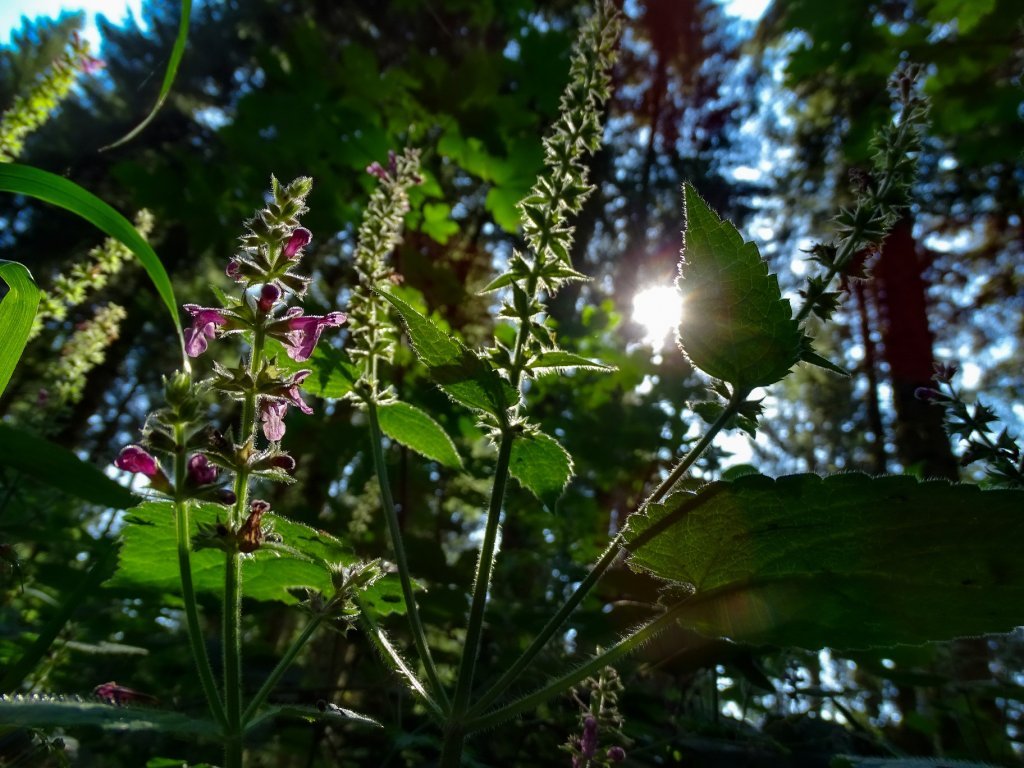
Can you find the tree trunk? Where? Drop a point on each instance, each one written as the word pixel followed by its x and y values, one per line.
pixel 921 441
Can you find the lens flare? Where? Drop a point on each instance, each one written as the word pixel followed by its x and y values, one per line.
pixel 658 309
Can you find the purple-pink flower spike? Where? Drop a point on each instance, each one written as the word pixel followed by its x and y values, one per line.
pixel 205 321
pixel 136 459
pixel 299 239
pixel 304 332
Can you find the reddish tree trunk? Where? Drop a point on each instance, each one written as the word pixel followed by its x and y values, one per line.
pixel 921 441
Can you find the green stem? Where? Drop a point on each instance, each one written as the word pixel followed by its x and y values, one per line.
pixel 232 609
pixel 607 558
pixel 389 652
pixel 739 396
pixel 188 592
pixel 282 666
pixel 195 637
pixel 592 667
pixel 455 734
pixel 395 531
pixel 233 660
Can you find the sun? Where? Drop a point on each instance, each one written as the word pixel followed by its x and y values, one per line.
pixel 658 309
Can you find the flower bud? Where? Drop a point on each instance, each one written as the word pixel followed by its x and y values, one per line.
pixel 269 294
pixel 616 754
pixel 298 240
pixel 135 459
pixel 200 471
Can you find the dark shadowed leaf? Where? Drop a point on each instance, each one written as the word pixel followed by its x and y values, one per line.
pixel 59 468
pixel 72 712
pixel 848 561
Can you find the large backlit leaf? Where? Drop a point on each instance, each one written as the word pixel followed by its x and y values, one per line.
pixel 17 311
pixel 735 326
pixel 56 190
pixel 169 74
pixel 149 556
pixel 73 712
pixel 455 368
pixel 848 561
pixel 59 468
pixel 416 430
pixel 541 466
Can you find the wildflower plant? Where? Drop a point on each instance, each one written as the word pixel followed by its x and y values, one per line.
pixel 747 559
pixel 33 108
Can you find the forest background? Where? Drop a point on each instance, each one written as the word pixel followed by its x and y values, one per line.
pixel 768 120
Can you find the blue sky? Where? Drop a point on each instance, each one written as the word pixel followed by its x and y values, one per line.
pixel 116 11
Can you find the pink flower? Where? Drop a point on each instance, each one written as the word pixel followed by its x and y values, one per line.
pixel 91 65
pixel 205 322
pixel 136 459
pixel 272 414
pixel 303 332
pixel 200 471
pixel 234 271
pixel 274 407
pixel 299 239
pixel 376 169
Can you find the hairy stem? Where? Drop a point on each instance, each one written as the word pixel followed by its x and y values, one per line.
pixel 188 592
pixel 388 651
pixel 394 530
pixel 233 660
pixel 455 734
pixel 607 558
pixel 610 656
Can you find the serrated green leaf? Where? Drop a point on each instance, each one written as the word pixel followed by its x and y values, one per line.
pixel 541 466
pixel 499 282
pixel 852 761
pixel 169 74
pixel 455 368
pixel 17 311
pixel 331 713
pixel 417 430
pixel 74 712
pixel 333 372
pixel 808 355
pixel 558 360
pixel 384 597
pixel 56 190
pixel 735 325
pixel 149 555
pixel 59 468
pixel 848 561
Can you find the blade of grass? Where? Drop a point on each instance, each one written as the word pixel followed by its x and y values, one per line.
pixel 56 190
pixel 172 72
pixel 17 310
